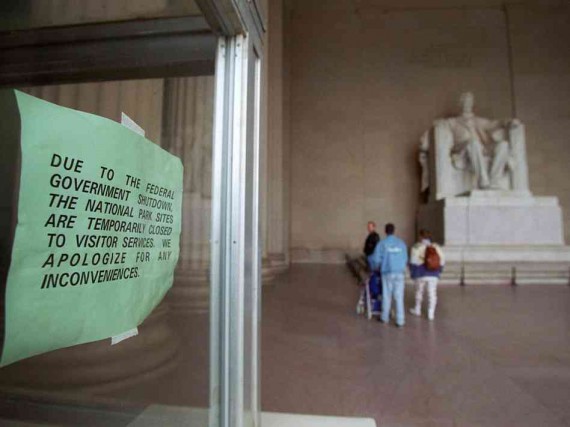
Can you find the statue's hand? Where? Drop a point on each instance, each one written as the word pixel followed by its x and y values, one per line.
pixel 511 163
pixel 458 147
pixel 515 123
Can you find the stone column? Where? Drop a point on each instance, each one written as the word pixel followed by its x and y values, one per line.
pixel 141 100
pixel 267 272
pixel 286 69
pixel 98 366
pixel 187 133
pixel 276 208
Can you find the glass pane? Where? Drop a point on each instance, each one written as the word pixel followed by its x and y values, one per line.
pixel 160 376
pixel 27 14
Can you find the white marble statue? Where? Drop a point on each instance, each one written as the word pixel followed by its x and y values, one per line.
pixel 465 153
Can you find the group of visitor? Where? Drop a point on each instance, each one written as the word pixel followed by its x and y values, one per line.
pixel 389 258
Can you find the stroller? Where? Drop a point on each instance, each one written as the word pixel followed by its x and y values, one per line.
pixel 370 301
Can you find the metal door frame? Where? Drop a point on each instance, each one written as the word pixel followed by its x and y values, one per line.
pixel 155 48
pixel 241 27
pixel 235 257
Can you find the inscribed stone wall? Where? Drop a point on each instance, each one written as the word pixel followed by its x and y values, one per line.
pixel 364 86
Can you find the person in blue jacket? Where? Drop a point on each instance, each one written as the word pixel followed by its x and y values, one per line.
pixel 391 258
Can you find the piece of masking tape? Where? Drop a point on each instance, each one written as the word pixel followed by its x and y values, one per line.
pixel 124 336
pixel 131 124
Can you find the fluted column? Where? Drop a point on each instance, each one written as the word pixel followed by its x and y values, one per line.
pixel 188 121
pixel 276 242
pixel 141 100
pixel 98 366
pixel 267 273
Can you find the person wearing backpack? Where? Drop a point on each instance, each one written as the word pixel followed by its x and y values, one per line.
pixel 426 264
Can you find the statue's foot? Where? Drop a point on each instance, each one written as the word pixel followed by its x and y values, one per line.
pixel 484 183
pixel 511 163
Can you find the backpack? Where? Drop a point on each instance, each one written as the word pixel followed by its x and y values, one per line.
pixel 432 260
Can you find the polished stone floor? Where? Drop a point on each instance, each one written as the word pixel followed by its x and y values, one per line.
pixel 494 356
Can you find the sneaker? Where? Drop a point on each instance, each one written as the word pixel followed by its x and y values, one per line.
pixel 431 316
pixel 415 312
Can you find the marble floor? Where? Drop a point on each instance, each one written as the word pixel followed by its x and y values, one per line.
pixel 494 356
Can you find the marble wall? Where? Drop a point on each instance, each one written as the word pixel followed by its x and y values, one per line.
pixel 369 76
pixel 541 81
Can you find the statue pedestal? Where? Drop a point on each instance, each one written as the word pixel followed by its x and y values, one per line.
pixel 494 218
pixel 496 237
pixel 506 265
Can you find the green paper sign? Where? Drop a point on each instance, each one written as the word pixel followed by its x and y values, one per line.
pixel 98 231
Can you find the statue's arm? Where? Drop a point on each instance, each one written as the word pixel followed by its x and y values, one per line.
pixel 514 123
pixel 491 125
pixel 423 154
pixel 424 142
pixel 440 122
pixel 446 137
pixel 458 147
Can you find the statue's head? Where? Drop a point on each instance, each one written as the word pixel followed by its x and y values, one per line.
pixel 467 101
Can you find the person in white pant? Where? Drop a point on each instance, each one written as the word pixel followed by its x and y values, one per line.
pixel 426 264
